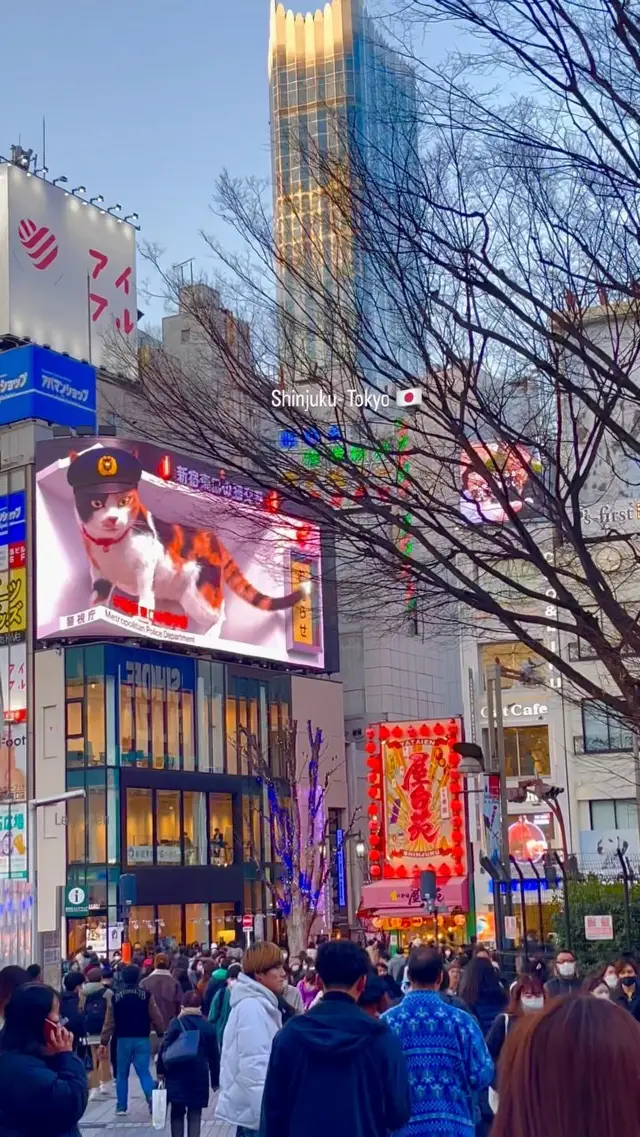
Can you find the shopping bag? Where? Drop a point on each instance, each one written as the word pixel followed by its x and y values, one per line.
pixel 184 1048
pixel 159 1108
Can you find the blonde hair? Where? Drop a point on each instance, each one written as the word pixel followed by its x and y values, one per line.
pixel 260 957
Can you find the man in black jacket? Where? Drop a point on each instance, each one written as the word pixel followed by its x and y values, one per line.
pixel 132 1014
pixel 336 1070
pixel 566 979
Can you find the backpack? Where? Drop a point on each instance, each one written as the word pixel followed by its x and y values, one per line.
pixel 95 1010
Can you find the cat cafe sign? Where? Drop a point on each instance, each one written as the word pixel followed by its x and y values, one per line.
pixel 132 553
pixel 519 711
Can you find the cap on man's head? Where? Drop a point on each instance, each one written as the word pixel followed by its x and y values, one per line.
pixel 104 471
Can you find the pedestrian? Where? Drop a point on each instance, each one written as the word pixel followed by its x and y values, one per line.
pixel 221 1006
pixel 95 997
pixel 610 976
pixel 292 998
pixel 448 995
pixel 482 992
pixel 626 993
pixel 254 1021
pixel 337 1070
pixel 131 1015
pixel 397 964
pixel 454 971
pixel 565 980
pixel 165 989
pixel 217 981
pixel 34 973
pixel 43 1085
pixel 527 997
pixel 571 1070
pixel 11 977
pixel 71 1008
pixel 309 987
pixel 188 1081
pixel 375 998
pixel 596 985
pixel 447 1057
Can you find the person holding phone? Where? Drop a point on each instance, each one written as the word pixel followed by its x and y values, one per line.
pixel 43 1085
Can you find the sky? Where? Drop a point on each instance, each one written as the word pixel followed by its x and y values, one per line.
pixel 145 102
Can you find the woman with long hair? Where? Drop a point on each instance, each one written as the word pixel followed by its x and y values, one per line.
pixel 571 1070
pixel 43 1085
pixel 11 977
pixel 483 992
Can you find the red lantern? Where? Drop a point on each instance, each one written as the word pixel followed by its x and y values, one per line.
pixel 373 763
pixel 425 731
pixel 375 871
pixel 373 811
pixel 374 792
pixel 454 760
pixel 388 872
pixel 438 729
pixel 384 733
pixel 375 855
pixel 370 732
pixel 375 842
pixel 373 779
pixel 444 872
pixel 456 807
pixel 412 732
pixel 402 871
pixel 456 827
pixel 457 852
pixel 397 732
pixel 371 748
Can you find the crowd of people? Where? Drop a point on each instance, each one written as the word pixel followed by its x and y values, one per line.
pixel 338 1041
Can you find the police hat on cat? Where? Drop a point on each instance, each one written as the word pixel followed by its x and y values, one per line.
pixel 105 471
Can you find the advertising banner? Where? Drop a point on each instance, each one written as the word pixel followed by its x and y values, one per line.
pixel 201 563
pixel 424 817
pixel 509 468
pixel 13 842
pixel 13 567
pixel 69 275
pixel 13 722
pixel 37 383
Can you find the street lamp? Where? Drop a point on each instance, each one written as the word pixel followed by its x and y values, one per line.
pixel 361 848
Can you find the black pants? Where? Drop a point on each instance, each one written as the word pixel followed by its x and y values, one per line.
pixel 194 1121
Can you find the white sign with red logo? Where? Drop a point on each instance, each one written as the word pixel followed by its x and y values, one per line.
pixel 247 922
pixel 69 276
pixel 598 927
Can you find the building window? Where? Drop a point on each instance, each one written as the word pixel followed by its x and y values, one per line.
pixel 220 830
pixel 526 750
pixel 197 923
pixel 621 813
pixel 157 726
pixel 96 802
pixel 602 730
pixel 194 828
pixel 76 831
pixel 168 830
pixel 139 827
pixel 95 722
pixel 252 850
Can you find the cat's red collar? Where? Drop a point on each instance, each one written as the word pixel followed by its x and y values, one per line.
pixel 104 542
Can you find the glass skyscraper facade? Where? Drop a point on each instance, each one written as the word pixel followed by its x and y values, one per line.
pixel 336 88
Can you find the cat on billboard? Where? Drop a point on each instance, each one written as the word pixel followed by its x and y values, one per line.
pixel 168 562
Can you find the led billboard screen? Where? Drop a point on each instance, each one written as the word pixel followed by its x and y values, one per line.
pixel 124 550
pixel 69 270
pixel 510 468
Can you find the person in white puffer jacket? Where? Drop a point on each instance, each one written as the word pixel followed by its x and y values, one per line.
pixel 254 1021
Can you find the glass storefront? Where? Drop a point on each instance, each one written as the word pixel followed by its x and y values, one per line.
pixel 179 827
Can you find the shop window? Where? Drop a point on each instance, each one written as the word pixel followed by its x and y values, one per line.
pixel 223 923
pixel 232 736
pixel 194 832
pixel 75 732
pixel 220 830
pixel 97 824
pixel 142 927
pixel 168 845
pixel 96 745
pixel 139 827
pixel 76 831
pixel 514 659
pixel 169 926
pixel 173 730
pixel 602 730
pixel 142 708
pixel 188 748
pixel 526 751
pixel 252 829
pixel 127 729
pixel 157 728
pixel 197 924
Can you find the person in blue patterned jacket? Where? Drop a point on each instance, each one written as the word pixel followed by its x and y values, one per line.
pixel 446 1055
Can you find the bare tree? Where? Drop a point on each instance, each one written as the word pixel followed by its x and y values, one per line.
pixel 295 812
pixel 490 259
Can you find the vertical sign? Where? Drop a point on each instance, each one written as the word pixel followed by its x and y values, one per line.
pixel 13 686
pixel 340 869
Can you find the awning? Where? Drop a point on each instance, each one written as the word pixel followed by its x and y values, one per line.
pixel 402 898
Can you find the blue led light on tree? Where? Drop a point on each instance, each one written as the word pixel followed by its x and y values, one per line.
pixel 288 440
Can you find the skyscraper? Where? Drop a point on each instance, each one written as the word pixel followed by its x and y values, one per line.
pixel 336 89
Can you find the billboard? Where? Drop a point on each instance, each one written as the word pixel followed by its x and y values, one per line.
pixel 423 807
pixel 13 567
pixel 13 842
pixel 13 722
pixel 69 271
pixel 37 383
pixel 505 464
pixel 208 564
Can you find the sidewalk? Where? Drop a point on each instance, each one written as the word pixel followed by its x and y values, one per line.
pixel 100 1118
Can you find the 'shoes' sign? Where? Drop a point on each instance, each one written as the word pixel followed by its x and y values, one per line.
pixel 38 383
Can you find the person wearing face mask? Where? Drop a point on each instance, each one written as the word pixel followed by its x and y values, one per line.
pixel 566 980
pixel 527 997
pixel 626 994
pixel 610 976
pixel 595 985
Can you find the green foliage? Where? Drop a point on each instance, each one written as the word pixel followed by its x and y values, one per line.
pixel 592 897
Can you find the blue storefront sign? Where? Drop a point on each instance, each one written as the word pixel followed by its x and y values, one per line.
pixel 340 866
pixel 38 383
pixel 13 518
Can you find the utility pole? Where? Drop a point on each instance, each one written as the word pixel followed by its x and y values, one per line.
pixel 496 723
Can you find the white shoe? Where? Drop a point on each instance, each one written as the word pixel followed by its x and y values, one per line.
pixel 94 1094
pixel 107 1089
